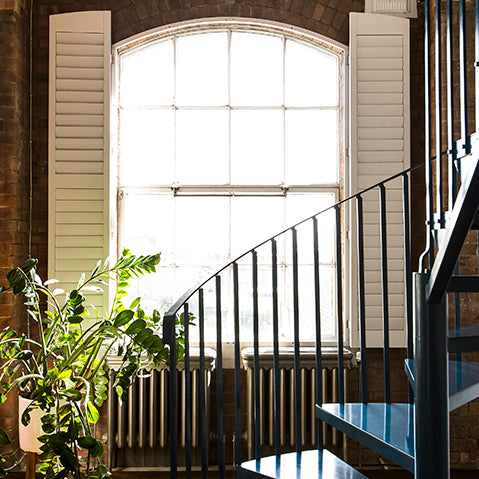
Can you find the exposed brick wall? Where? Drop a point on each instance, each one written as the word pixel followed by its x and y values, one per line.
pixel 129 17
pixel 14 97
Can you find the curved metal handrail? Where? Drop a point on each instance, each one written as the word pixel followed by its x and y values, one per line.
pixel 169 318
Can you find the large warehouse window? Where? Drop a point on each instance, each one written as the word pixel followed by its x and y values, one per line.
pixel 226 134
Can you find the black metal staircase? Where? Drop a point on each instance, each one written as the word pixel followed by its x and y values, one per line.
pixel 413 434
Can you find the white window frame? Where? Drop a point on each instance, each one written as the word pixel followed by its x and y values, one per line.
pixel 206 25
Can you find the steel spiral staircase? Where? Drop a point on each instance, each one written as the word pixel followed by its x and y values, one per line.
pixel 413 434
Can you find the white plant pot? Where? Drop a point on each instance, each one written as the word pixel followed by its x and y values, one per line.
pixel 27 435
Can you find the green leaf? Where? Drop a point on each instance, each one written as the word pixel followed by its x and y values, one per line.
pixel 123 318
pixel 75 319
pixel 71 394
pixel 92 413
pixel 135 303
pixel 136 326
pixel 4 440
pixel 87 442
pixel 64 374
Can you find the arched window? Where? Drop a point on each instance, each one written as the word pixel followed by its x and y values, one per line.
pixel 227 133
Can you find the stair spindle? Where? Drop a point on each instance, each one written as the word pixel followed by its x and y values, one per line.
pixel 257 398
pixel 317 310
pixel 187 424
pixel 236 313
pixel 276 375
pixel 297 359
pixel 201 325
pixel 339 297
pixel 438 116
pixel 362 299
pixel 219 380
pixel 385 292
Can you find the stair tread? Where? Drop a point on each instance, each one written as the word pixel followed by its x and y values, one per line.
pixel 463 381
pixel 386 428
pixel 464 339
pixel 307 464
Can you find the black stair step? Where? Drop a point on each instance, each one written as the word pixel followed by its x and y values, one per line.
pixel 305 465
pixel 463 381
pixel 386 428
pixel 464 340
pixel 464 284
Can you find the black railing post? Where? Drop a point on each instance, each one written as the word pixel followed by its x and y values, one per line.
pixel 236 313
pixel 385 292
pixel 408 275
pixel 362 300
pixel 339 300
pixel 219 381
pixel 187 424
pixel 169 337
pixel 203 432
pixel 256 388
pixel 276 375
pixel 432 379
pixel 297 357
pixel 317 310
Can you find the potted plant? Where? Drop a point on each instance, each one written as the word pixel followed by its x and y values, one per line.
pixel 60 368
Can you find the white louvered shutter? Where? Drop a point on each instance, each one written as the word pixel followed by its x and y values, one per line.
pixel 79 93
pixel 379 52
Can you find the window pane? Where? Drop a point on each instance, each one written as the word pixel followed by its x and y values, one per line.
pixel 254 220
pixel 307 309
pixel 147 76
pixel 299 207
pixel 202 230
pixel 146 223
pixel 311 147
pixel 311 76
pixel 202 69
pixel 202 147
pixel 146 147
pixel 256 69
pixel 256 147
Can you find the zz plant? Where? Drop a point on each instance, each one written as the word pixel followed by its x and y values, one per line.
pixel 61 366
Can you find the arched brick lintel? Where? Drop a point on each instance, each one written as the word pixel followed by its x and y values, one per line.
pixel 330 19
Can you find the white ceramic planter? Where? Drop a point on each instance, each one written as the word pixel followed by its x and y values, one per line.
pixel 27 435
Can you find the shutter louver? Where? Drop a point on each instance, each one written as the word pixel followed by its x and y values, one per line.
pixel 80 46
pixel 380 148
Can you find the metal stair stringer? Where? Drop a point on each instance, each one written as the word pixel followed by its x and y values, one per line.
pixel 460 222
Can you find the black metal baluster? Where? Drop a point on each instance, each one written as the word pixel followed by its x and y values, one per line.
pixel 238 434
pixel 297 359
pixel 219 381
pixel 339 296
pixel 173 404
pixel 317 311
pixel 408 274
pixel 429 251
pixel 451 147
pixel 257 399
pixel 361 298
pixel 438 103
pixel 463 78
pixel 277 390
pixel 187 424
pixel 203 435
pixel 385 292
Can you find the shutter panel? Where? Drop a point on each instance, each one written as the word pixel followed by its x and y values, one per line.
pixel 79 93
pixel 379 135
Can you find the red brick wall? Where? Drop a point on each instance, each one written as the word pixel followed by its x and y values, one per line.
pixel 14 170
pixel 129 17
